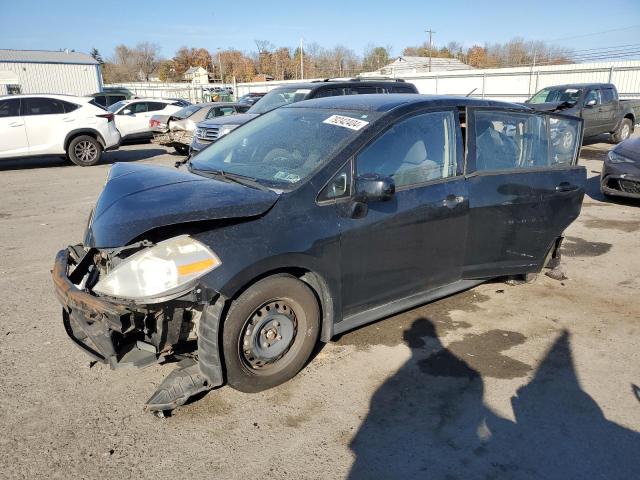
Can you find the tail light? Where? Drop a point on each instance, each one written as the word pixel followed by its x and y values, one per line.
pixel 154 123
pixel 108 116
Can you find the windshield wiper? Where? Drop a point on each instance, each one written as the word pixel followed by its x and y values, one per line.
pixel 233 177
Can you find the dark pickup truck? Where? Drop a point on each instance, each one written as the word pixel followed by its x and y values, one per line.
pixel 597 103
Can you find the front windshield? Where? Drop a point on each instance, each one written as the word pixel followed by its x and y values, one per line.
pixel 186 112
pixel 117 106
pixel 285 146
pixel 278 98
pixel 553 95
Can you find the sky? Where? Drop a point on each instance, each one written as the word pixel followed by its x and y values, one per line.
pixel 82 25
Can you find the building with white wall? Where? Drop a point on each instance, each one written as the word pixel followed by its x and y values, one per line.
pixel 42 71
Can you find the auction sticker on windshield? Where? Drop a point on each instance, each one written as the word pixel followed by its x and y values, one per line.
pixel 347 122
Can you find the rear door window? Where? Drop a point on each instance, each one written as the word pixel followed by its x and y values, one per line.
pixel 100 100
pixel 42 106
pixel 507 140
pixel 70 107
pixel 10 108
pixel 155 106
pixel 329 92
pixel 607 95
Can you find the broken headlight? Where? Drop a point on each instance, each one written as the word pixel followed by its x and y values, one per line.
pixel 157 273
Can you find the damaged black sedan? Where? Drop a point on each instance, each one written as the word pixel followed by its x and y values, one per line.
pixel 620 174
pixel 309 221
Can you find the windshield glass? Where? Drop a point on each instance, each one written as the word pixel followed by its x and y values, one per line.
pixel 571 95
pixel 278 98
pixel 285 146
pixel 186 112
pixel 116 106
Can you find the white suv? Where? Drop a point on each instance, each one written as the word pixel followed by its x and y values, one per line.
pixel 133 116
pixel 76 127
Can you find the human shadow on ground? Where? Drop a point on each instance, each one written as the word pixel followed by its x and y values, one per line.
pixel 429 421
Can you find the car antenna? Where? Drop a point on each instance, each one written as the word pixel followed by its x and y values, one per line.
pixel 469 94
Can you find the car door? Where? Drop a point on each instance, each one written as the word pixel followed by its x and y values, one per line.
pixel 46 124
pixel 524 188
pixel 133 119
pixel 592 114
pixel 415 241
pixel 609 109
pixel 13 134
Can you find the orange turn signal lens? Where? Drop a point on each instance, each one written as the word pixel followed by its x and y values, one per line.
pixel 195 267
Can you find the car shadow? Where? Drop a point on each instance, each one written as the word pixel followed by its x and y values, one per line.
pixel 57 161
pixel 429 420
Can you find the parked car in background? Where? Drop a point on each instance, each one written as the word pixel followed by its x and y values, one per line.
pixel 251 98
pixel 309 221
pixel 75 127
pixel 110 95
pixel 132 116
pixel 176 129
pixel 620 175
pixel 597 103
pixel 210 130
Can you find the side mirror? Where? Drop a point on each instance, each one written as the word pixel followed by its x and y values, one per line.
pixel 126 111
pixel 590 103
pixel 372 187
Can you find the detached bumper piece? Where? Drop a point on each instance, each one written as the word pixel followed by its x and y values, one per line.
pixel 108 332
pixel 185 381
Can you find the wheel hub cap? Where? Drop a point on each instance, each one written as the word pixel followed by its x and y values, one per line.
pixel 85 151
pixel 268 334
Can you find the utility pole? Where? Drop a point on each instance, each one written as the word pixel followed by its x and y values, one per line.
pixel 301 60
pixel 220 62
pixel 430 32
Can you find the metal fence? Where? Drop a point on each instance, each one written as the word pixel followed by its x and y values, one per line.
pixel 509 84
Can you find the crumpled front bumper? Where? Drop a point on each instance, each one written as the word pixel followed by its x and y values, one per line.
pixel 106 331
pixel 616 181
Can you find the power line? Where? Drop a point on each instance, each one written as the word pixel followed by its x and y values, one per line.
pixel 595 33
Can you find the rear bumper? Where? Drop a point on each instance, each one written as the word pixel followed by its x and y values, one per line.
pixel 106 331
pixel 173 139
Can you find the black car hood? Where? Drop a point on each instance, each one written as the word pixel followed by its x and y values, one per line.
pixel 237 119
pixel 139 198
pixel 549 106
pixel 630 148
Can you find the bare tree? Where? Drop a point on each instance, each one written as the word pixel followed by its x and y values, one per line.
pixel 146 58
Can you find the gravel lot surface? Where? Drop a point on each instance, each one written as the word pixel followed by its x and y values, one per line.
pixel 530 381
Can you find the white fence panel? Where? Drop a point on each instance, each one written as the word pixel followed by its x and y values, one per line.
pixel 509 84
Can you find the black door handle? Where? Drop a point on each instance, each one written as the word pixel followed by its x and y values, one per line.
pixel 566 187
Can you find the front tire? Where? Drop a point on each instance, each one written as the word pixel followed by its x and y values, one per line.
pixel 269 333
pixel 623 132
pixel 84 151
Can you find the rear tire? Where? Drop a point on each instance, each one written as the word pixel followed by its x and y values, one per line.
pixel 84 151
pixel 623 132
pixel 269 333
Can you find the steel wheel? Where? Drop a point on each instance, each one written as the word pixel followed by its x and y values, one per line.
pixel 268 334
pixel 85 151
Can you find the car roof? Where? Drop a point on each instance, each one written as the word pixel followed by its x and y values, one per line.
pixel 58 96
pixel 582 85
pixel 387 102
pixel 328 83
pixel 217 104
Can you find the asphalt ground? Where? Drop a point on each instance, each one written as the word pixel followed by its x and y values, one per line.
pixel 528 381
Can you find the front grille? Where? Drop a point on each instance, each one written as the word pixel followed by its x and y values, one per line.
pixel 207 134
pixel 629 186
